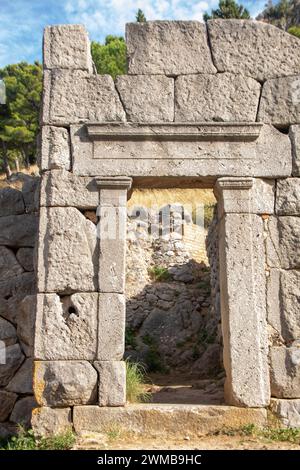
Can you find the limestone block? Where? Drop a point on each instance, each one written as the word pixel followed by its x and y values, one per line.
pixel 245 355
pixel 67 46
pixel 253 49
pixel 7 401
pixel 47 421
pixel 168 48
pixel 9 266
pixel 26 323
pixel 76 96
pixel 55 148
pixel 111 329
pixel 288 196
pixel 288 411
pixel 285 371
pixel 62 188
pixel 31 191
pixel 220 97
pixel 8 333
pixel 18 230
pixel 294 134
pixel 21 383
pixel 66 327
pixel 283 294
pixel 282 242
pixel 112 383
pixel 22 411
pixel 280 101
pixel 14 358
pixel 25 258
pixel 147 98
pixel 11 202
pixel 12 292
pixel 67 259
pixel 64 383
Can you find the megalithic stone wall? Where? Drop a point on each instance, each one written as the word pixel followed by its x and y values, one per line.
pixel 199 103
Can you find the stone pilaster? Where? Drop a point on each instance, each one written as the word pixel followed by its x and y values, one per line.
pixel 243 303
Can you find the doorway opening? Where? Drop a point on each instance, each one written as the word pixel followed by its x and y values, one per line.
pixel 173 324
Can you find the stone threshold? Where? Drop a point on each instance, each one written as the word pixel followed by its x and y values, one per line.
pixel 166 419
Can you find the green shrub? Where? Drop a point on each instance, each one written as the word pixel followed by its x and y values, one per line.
pixel 295 31
pixel 26 440
pixel 130 339
pixel 135 379
pixel 159 273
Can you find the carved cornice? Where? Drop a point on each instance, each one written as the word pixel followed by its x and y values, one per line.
pixel 114 182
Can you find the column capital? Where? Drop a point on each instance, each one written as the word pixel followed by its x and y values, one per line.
pixel 231 183
pixel 234 195
pixel 114 182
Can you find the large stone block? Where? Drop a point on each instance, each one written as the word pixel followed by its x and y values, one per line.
pixel 220 97
pixel 66 327
pixel 55 148
pixel 7 401
pixel 47 421
pixel 64 383
pixel 11 202
pixel 26 320
pixel 112 383
pixel 288 411
pixel 21 383
pixel 18 230
pixel 67 259
pixel 283 297
pixel 12 292
pixel 147 98
pixel 253 49
pixel 168 48
pixel 76 96
pixel 288 196
pixel 280 101
pixel 8 333
pixel 67 46
pixel 285 371
pixel 62 188
pixel 31 193
pixel 25 257
pixel 111 330
pixel 22 411
pixel 181 150
pixel 13 360
pixel 9 266
pixel 282 242
pixel 294 134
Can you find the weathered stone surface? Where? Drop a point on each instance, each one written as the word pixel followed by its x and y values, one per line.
pixel 267 156
pixel 11 202
pixel 285 371
pixel 63 383
pixel 9 266
pixel 282 242
pixel 76 96
pixel 22 411
pixel 55 148
pixel 168 48
pixel 112 383
pixel 67 46
pixel 67 260
pixel 220 97
pixel 14 358
pixel 66 327
pixel 12 292
pixel 147 98
pixel 288 196
pixel 62 188
pixel 25 258
pixel 31 192
pixel 50 421
pixel 8 430
pixel 245 353
pixel 26 324
pixel 288 411
pixel 280 101
pixel 294 134
pixel 7 401
pixel 22 382
pixel 196 420
pixel 254 49
pixel 8 333
pixel 111 327
pixel 283 296
pixel 18 230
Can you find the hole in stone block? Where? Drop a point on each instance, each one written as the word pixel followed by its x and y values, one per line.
pixel 72 311
pixel 172 294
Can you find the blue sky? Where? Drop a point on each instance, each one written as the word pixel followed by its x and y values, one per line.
pixel 22 21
